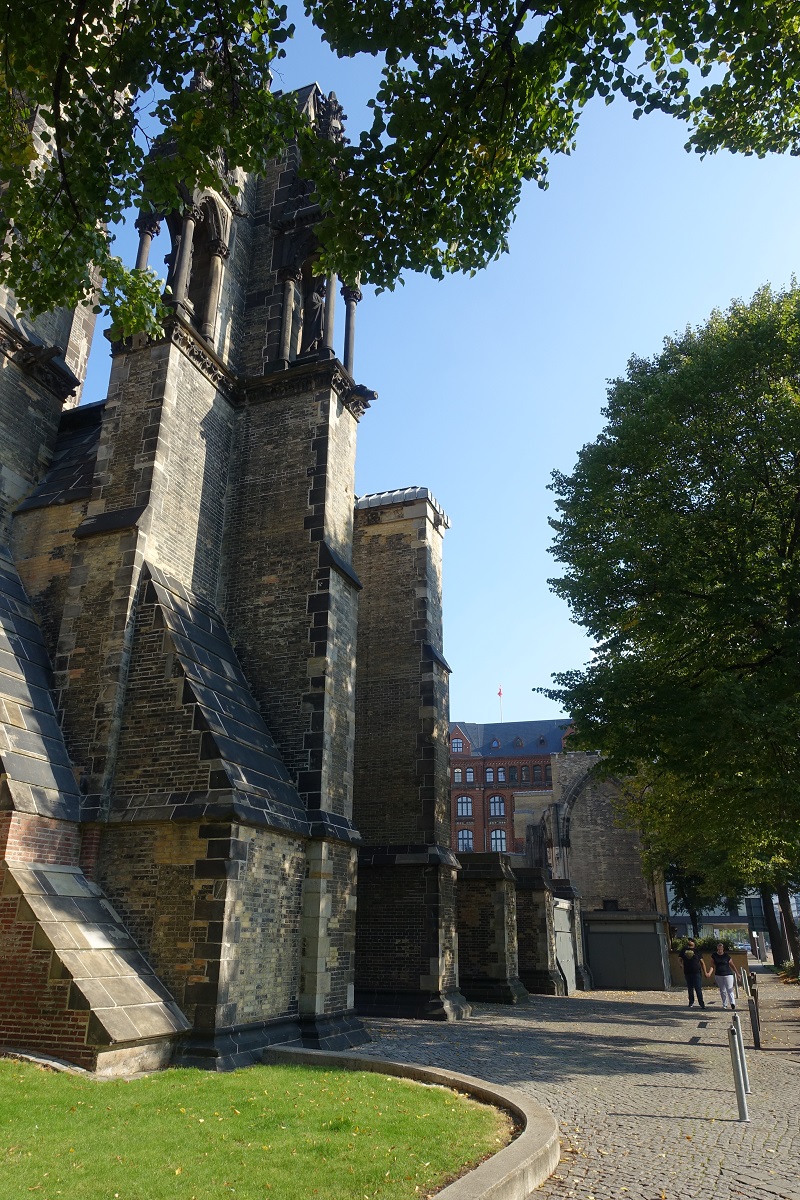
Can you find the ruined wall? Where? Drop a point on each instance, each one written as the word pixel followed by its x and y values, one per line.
pixel 605 858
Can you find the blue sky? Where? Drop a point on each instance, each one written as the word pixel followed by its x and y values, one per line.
pixel 488 384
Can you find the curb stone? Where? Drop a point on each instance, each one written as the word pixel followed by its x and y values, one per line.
pixel 514 1172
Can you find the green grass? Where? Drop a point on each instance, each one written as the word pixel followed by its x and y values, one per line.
pixel 271 1133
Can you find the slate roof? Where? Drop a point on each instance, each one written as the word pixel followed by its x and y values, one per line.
pixel 92 947
pixel 71 472
pixel 261 787
pixel 34 765
pixel 537 737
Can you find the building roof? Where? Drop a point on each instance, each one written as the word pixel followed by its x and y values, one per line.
pixel 537 737
pixel 71 473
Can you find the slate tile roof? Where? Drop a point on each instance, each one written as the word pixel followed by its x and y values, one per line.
pixel 261 788
pixel 537 737
pixel 34 765
pixel 91 947
pixel 71 472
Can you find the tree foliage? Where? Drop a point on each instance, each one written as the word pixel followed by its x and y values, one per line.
pixel 474 99
pixel 680 532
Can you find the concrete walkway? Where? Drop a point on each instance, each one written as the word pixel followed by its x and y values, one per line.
pixel 641 1087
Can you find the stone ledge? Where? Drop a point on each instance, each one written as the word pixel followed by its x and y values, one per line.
pixel 514 1172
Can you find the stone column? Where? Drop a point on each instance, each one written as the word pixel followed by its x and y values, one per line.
pixel 290 277
pixel 183 266
pixel 149 226
pixel 352 296
pixel 406 944
pixel 330 304
pixel 219 252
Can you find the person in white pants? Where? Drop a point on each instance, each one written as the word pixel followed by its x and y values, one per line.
pixel 723 975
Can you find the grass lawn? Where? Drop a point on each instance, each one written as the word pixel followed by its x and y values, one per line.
pixel 283 1133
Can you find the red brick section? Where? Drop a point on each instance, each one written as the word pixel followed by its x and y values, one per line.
pixel 26 837
pixel 33 1008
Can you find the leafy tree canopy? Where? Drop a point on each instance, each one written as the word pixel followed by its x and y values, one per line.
pixel 474 99
pixel 680 532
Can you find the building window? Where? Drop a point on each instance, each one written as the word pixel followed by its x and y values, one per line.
pixel 518 743
pixel 537 774
pixel 495 744
pixel 512 774
pixel 464 806
pixel 464 839
pixel 457 775
pixel 548 774
pixel 526 774
pixel 501 774
pixel 457 746
pixel 490 774
pixel 470 775
pixel 497 806
pixel 498 839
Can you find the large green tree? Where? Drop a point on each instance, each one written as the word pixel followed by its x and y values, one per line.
pixel 680 533
pixel 474 99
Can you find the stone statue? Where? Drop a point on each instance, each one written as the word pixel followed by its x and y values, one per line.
pixel 313 317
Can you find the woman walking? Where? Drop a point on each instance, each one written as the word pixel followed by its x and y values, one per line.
pixel 693 967
pixel 723 975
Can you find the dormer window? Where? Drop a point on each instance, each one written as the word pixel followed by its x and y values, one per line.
pixel 518 743
pixel 495 744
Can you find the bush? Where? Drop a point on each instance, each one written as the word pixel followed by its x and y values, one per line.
pixel 706 944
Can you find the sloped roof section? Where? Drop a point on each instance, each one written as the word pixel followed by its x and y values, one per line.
pixel 537 737
pixel 90 946
pixel 35 772
pixel 71 472
pixel 238 736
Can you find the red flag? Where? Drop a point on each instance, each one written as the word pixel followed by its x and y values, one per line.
pixel 500 692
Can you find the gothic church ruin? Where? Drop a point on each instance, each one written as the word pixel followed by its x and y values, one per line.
pixel 188 760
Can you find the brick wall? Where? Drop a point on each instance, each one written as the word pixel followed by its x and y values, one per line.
pixel 605 859
pixel 216 909
pixel 33 1007
pixel 292 624
pixel 25 837
pixel 402 697
pixel 486 908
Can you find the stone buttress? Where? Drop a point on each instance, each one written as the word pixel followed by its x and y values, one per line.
pixel 406 955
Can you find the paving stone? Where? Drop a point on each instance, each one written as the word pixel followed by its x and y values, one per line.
pixel 643 1114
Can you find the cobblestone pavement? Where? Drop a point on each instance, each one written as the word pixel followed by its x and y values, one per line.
pixel 642 1089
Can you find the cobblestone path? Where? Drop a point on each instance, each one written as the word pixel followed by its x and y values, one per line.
pixel 641 1087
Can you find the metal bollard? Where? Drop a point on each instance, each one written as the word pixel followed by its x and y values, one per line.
pixel 755 1023
pixel 741 1099
pixel 737 1025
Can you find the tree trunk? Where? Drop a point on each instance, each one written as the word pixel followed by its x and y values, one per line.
pixel 694 917
pixel 777 942
pixel 788 919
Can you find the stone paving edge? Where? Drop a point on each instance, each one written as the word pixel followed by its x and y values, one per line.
pixel 514 1172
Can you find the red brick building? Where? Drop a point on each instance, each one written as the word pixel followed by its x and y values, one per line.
pixel 489 766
